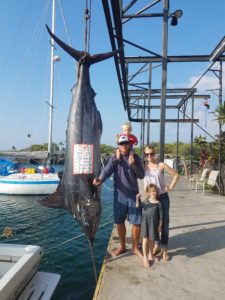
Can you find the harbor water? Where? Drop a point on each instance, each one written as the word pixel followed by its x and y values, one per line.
pixel 66 250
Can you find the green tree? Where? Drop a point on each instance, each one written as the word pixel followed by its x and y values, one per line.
pixel 41 147
pixel 106 149
pixel 200 140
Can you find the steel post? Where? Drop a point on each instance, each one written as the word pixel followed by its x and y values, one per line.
pixel 164 79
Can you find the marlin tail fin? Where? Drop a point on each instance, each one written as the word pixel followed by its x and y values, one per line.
pixel 90 59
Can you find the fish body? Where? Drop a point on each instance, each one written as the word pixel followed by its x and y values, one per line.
pixel 76 191
pixel 84 131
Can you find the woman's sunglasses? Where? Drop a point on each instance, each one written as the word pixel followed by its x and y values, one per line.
pixel 149 154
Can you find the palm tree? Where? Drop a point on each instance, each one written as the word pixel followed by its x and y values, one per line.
pixel 200 140
pixel 220 113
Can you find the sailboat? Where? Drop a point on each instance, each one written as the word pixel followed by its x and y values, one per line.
pixel 33 181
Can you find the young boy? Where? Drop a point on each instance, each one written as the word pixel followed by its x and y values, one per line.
pixel 126 131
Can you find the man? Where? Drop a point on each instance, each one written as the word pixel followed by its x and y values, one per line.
pixel 126 172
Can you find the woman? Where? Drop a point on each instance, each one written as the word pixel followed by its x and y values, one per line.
pixel 154 174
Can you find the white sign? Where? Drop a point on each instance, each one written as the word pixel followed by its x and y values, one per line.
pixel 83 159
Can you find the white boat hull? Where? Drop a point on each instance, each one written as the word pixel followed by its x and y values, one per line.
pixel 29 184
pixel 19 278
pixel 18 263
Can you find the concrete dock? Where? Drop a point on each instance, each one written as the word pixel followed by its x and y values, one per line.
pixel 197 249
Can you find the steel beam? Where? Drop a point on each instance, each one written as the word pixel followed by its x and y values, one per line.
pixel 169 97
pixel 166 120
pixel 158 91
pixel 137 106
pixel 181 58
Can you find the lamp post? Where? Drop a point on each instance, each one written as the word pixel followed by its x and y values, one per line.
pixel 166 15
pixel 164 79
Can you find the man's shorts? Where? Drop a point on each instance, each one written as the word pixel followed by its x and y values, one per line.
pixel 125 206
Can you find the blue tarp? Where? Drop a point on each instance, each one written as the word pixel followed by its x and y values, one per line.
pixel 8 167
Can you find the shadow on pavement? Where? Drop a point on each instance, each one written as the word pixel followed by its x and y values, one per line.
pixel 198 242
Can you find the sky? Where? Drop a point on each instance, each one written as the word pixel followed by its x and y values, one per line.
pixel 25 66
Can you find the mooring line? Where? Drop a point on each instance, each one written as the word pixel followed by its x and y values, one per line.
pixel 107 187
pixel 74 238
pixel 19 230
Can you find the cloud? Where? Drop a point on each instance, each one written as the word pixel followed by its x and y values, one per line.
pixel 206 83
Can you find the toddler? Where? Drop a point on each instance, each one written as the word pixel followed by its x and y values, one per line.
pixel 126 130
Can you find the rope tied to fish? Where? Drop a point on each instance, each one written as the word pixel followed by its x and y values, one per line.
pixel 87 27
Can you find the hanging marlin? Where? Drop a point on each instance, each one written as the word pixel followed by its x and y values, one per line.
pixel 82 161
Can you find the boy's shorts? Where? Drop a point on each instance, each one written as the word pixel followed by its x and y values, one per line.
pixel 125 206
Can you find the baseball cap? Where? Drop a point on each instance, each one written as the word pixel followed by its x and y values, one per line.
pixel 123 139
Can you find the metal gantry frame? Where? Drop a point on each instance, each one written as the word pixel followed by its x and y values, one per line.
pixel 137 96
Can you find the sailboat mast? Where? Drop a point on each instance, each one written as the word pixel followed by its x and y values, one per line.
pixel 51 80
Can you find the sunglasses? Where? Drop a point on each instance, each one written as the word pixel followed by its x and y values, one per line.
pixel 124 143
pixel 149 154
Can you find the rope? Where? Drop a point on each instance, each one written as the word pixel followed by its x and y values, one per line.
pixel 86 27
pixel 66 28
pixel 74 238
pixel 107 187
pixel 64 22
pixel 89 29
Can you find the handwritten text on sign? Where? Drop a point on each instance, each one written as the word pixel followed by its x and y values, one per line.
pixel 83 159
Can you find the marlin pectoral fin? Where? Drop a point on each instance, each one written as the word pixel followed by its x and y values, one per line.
pixel 55 200
pixel 73 52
